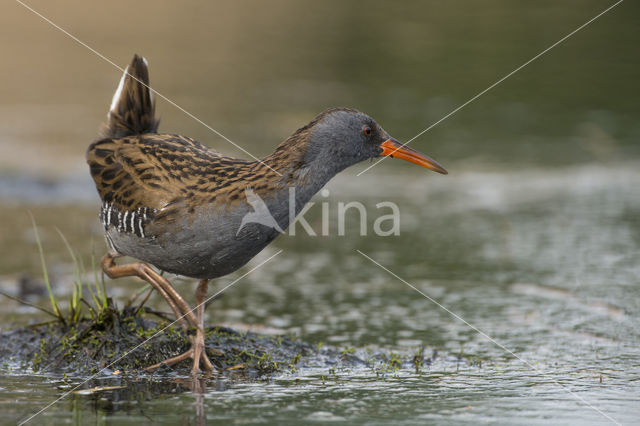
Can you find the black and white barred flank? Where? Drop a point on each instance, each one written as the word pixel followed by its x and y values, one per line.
pixel 127 221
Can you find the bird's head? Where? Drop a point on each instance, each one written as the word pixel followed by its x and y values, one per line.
pixel 343 137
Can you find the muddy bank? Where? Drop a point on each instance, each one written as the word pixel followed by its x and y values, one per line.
pixel 106 343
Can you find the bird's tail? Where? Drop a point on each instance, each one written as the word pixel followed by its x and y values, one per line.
pixel 132 109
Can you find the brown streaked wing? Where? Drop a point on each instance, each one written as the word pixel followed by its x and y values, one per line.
pixel 140 171
pixel 118 178
pixel 158 171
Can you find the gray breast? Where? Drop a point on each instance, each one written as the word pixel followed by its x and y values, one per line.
pixel 211 243
pixel 214 240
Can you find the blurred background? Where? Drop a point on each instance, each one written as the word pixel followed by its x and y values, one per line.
pixel 534 235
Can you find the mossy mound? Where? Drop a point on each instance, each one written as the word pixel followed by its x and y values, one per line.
pixel 131 341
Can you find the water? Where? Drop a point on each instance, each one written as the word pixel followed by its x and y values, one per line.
pixel 533 238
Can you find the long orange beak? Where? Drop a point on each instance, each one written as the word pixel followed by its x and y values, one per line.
pixel 394 149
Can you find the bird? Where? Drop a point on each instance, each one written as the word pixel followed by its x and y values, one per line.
pixel 178 206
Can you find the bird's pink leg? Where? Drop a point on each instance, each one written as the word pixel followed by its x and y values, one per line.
pixel 176 302
pixel 145 272
pixel 197 351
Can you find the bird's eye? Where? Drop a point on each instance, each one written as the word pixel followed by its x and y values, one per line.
pixel 366 130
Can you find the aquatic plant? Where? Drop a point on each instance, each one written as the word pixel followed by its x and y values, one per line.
pixel 81 281
pixel 45 274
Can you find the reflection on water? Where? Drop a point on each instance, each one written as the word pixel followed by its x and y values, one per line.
pixel 462 395
pixel 534 236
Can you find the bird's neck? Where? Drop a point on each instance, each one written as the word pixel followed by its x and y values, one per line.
pixel 300 163
pixel 300 169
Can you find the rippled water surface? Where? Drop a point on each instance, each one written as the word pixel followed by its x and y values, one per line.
pixel 517 274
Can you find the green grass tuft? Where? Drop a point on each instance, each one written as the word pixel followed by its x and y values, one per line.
pixel 81 281
pixel 52 298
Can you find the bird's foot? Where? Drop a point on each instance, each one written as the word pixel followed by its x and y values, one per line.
pixel 197 353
